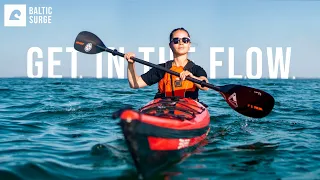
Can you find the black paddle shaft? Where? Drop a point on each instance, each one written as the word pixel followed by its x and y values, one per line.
pixel 203 83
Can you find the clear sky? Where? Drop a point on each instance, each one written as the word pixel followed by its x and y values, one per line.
pixel 143 23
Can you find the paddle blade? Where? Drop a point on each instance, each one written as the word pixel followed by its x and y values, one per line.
pixel 248 101
pixel 89 43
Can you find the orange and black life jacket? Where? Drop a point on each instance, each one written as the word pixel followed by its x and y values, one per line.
pixel 171 85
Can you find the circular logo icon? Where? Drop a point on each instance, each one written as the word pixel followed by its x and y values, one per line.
pixel 88 47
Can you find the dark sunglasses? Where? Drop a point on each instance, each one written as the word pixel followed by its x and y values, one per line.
pixel 177 40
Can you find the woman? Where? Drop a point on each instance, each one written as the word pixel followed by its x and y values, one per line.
pixel 170 85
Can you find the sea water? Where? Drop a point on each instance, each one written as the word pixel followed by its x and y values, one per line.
pixel 63 129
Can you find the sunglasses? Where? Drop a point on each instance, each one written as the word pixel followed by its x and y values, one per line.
pixel 177 40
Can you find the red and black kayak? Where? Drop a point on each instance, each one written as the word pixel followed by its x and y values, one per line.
pixel 163 132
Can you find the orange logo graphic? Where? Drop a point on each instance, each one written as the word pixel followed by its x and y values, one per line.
pixel 80 43
pixel 255 107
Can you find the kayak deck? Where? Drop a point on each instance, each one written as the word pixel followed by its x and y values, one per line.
pixel 172 109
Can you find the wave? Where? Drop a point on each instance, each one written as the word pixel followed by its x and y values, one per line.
pixel 9 175
pixel 6 90
pixel 26 106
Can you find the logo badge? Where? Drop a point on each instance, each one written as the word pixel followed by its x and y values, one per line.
pixel 15 15
pixel 88 47
pixel 233 100
pixel 178 83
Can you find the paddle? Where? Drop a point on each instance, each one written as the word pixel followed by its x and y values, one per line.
pixel 245 100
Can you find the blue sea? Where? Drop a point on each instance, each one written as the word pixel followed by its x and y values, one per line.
pixel 63 129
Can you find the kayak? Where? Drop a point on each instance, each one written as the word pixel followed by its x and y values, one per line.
pixel 163 132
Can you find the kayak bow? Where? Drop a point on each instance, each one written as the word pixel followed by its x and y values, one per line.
pixel 163 132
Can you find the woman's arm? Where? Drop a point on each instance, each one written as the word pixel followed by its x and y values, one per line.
pixel 135 81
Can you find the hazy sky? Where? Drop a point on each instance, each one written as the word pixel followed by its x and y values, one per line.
pixel 143 23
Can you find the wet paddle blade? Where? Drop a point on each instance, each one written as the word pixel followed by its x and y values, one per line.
pixel 248 101
pixel 89 43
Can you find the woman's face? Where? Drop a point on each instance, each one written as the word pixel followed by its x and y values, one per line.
pixel 180 42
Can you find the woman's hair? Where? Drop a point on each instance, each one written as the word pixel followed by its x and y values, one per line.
pixel 171 34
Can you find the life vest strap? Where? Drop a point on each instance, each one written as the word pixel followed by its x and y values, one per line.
pixel 164 91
